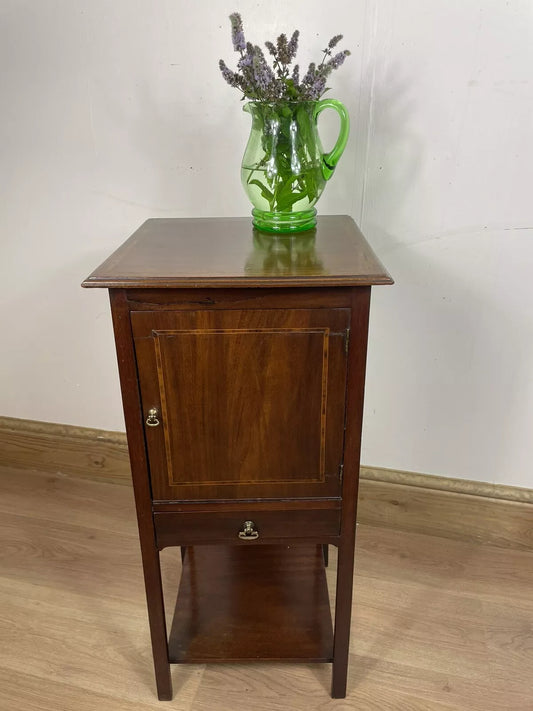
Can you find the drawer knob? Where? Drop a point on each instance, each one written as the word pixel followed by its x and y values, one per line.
pixel 248 532
pixel 152 420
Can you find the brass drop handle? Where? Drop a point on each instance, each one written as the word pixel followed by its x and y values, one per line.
pixel 248 532
pixel 152 420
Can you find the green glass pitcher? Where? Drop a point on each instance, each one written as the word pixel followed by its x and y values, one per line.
pixel 284 168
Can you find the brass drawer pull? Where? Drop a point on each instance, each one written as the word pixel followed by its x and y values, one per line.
pixel 248 532
pixel 152 420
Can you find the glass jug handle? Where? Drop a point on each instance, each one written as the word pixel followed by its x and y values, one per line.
pixel 330 160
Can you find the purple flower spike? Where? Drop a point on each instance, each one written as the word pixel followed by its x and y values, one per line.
pixel 232 78
pixel 337 60
pixel 277 82
pixel 237 34
pixel 293 44
pixel 245 61
pixel 334 41
pixel 296 75
pixel 283 49
pixel 308 78
pixel 316 88
pixel 263 74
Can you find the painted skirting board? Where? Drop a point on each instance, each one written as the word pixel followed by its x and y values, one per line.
pixel 452 508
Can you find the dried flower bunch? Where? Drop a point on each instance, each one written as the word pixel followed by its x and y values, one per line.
pixel 258 81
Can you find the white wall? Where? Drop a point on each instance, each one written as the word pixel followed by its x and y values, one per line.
pixel 114 111
pixel 448 206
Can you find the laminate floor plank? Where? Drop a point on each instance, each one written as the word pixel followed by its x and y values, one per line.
pixel 25 691
pixel 58 498
pixel 300 688
pixel 68 556
pixel 33 693
pixel 437 624
pixel 468 569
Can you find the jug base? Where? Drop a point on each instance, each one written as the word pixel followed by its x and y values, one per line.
pixel 284 222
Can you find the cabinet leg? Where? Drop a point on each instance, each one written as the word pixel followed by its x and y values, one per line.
pixel 141 487
pixel 343 616
pixel 325 553
pixel 156 617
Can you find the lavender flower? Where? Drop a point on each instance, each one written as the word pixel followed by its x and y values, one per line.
pixel 337 60
pixel 334 41
pixel 263 74
pixel 246 60
pixel 316 87
pixel 308 78
pixel 232 78
pixel 293 44
pixel 258 80
pixel 296 75
pixel 237 34
pixel 283 50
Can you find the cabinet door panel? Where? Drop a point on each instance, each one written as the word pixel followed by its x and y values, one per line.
pixel 251 402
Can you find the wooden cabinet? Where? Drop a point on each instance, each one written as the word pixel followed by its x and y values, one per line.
pixel 242 359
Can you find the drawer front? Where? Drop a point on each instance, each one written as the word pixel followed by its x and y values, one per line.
pixel 254 525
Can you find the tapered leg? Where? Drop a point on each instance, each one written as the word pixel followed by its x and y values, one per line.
pixel 343 615
pixel 325 552
pixel 355 384
pixel 141 487
pixel 156 617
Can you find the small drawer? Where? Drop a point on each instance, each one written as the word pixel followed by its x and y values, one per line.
pixel 246 526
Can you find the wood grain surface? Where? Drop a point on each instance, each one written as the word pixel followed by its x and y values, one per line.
pixel 74 451
pixel 309 522
pixel 142 493
pixel 239 388
pixel 463 517
pixel 237 603
pixel 215 252
pixel 437 624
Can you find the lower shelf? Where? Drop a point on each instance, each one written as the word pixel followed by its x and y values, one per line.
pixel 257 603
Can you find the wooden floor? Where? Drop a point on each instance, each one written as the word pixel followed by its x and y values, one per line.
pixel 437 624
